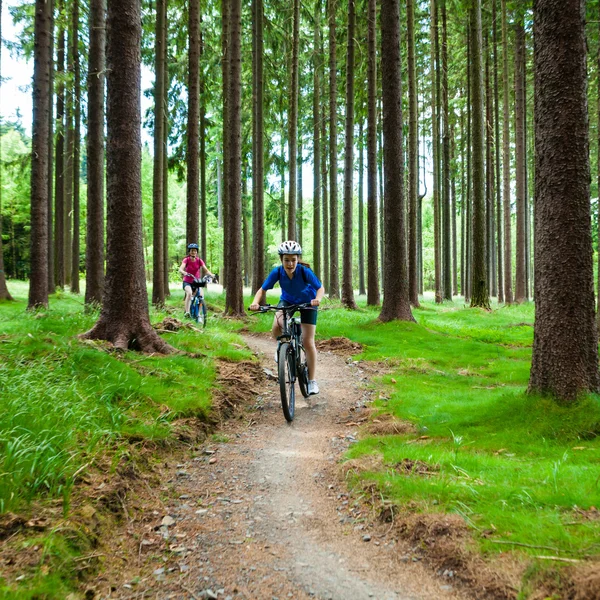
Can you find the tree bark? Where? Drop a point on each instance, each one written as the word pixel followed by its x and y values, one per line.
pixel 38 283
pixel 334 277
pixel 362 290
pixel 413 157
pixel 258 175
pixel 565 345
pixel 4 293
pixel 124 319
pixel 202 157
pixel 234 300
pixel 292 232
pixel 498 199
pixel 396 304
pixel 94 257
pixel 76 147
pixel 373 298
pixel 446 204
pixel 480 295
pixel 59 172
pixel 508 295
pixel 347 287
pixel 316 141
pixel 520 287
pixel 51 284
pixel 193 124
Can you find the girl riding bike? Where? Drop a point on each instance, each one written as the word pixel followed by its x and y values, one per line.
pixel 192 268
pixel 298 285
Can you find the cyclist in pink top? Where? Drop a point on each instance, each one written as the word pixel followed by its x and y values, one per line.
pixel 192 268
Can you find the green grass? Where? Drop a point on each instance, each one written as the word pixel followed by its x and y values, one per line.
pixel 517 465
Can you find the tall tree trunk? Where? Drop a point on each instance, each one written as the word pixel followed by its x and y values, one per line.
pixel 334 277
pixel 508 295
pixel 372 241
pixel 4 293
pixel 520 289
pixel 317 141
pixel 38 282
pixel 347 287
pixel 463 206
pixel 165 186
pixel 69 151
pixel 396 304
pixel 565 342
pixel 435 147
pixel 234 300
pixel 480 294
pixel 362 290
pixel 59 172
pixel 124 318
pixel 94 256
pixel 193 124
pixel 292 232
pixel 76 147
pixel 299 195
pixel 202 157
pixel 446 204
pixel 453 211
pixel 158 287
pixel 258 175
pixel 490 176
pixel 51 284
pixel 226 74
pixel 413 157
pixel 469 213
pixel 498 199
pixel 325 184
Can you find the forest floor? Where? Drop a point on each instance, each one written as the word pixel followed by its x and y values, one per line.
pixel 261 508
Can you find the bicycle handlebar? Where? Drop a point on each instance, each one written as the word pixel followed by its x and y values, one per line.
pixel 289 308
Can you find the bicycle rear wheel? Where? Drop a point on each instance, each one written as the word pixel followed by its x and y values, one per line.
pixel 302 372
pixel 286 374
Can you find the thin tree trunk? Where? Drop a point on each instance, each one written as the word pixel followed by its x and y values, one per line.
pixel 435 159
pixel 51 284
pixel 38 283
pixel 258 212
pixel 317 141
pixel 59 173
pixel 361 211
pixel 4 293
pixel 203 248
pixel 325 180
pixel 76 148
pixel 334 282
pixel 565 342
pixel 413 157
pixel 292 232
pixel 124 318
pixel 469 215
pixel 520 290
pixel 446 204
pixel 226 74
pixel 508 295
pixel 396 304
pixel 373 298
pixel 94 256
pixel 234 298
pixel 193 124
pixel 347 287
pixel 480 296
pixel 498 199
pixel 69 150
pixel 490 177
pixel 158 288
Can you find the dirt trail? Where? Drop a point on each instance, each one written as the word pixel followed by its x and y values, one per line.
pixel 264 515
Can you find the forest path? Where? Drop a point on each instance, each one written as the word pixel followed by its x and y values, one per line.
pixel 265 515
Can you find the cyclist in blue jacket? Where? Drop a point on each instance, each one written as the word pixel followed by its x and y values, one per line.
pixel 298 285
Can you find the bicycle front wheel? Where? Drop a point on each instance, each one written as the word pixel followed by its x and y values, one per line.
pixel 194 309
pixel 202 313
pixel 287 378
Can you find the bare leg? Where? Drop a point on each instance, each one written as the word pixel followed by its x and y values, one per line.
pixel 308 337
pixel 188 298
pixel 277 325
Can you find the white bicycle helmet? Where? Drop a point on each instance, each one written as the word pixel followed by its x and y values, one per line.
pixel 289 247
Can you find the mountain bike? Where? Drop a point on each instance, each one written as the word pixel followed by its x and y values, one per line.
pixel 291 357
pixel 198 305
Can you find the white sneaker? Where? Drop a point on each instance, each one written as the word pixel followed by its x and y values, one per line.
pixel 313 388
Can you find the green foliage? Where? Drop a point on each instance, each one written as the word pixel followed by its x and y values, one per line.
pixel 519 466
pixel 66 401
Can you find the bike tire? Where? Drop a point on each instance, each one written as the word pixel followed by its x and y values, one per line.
pixel 286 372
pixel 202 313
pixel 302 373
